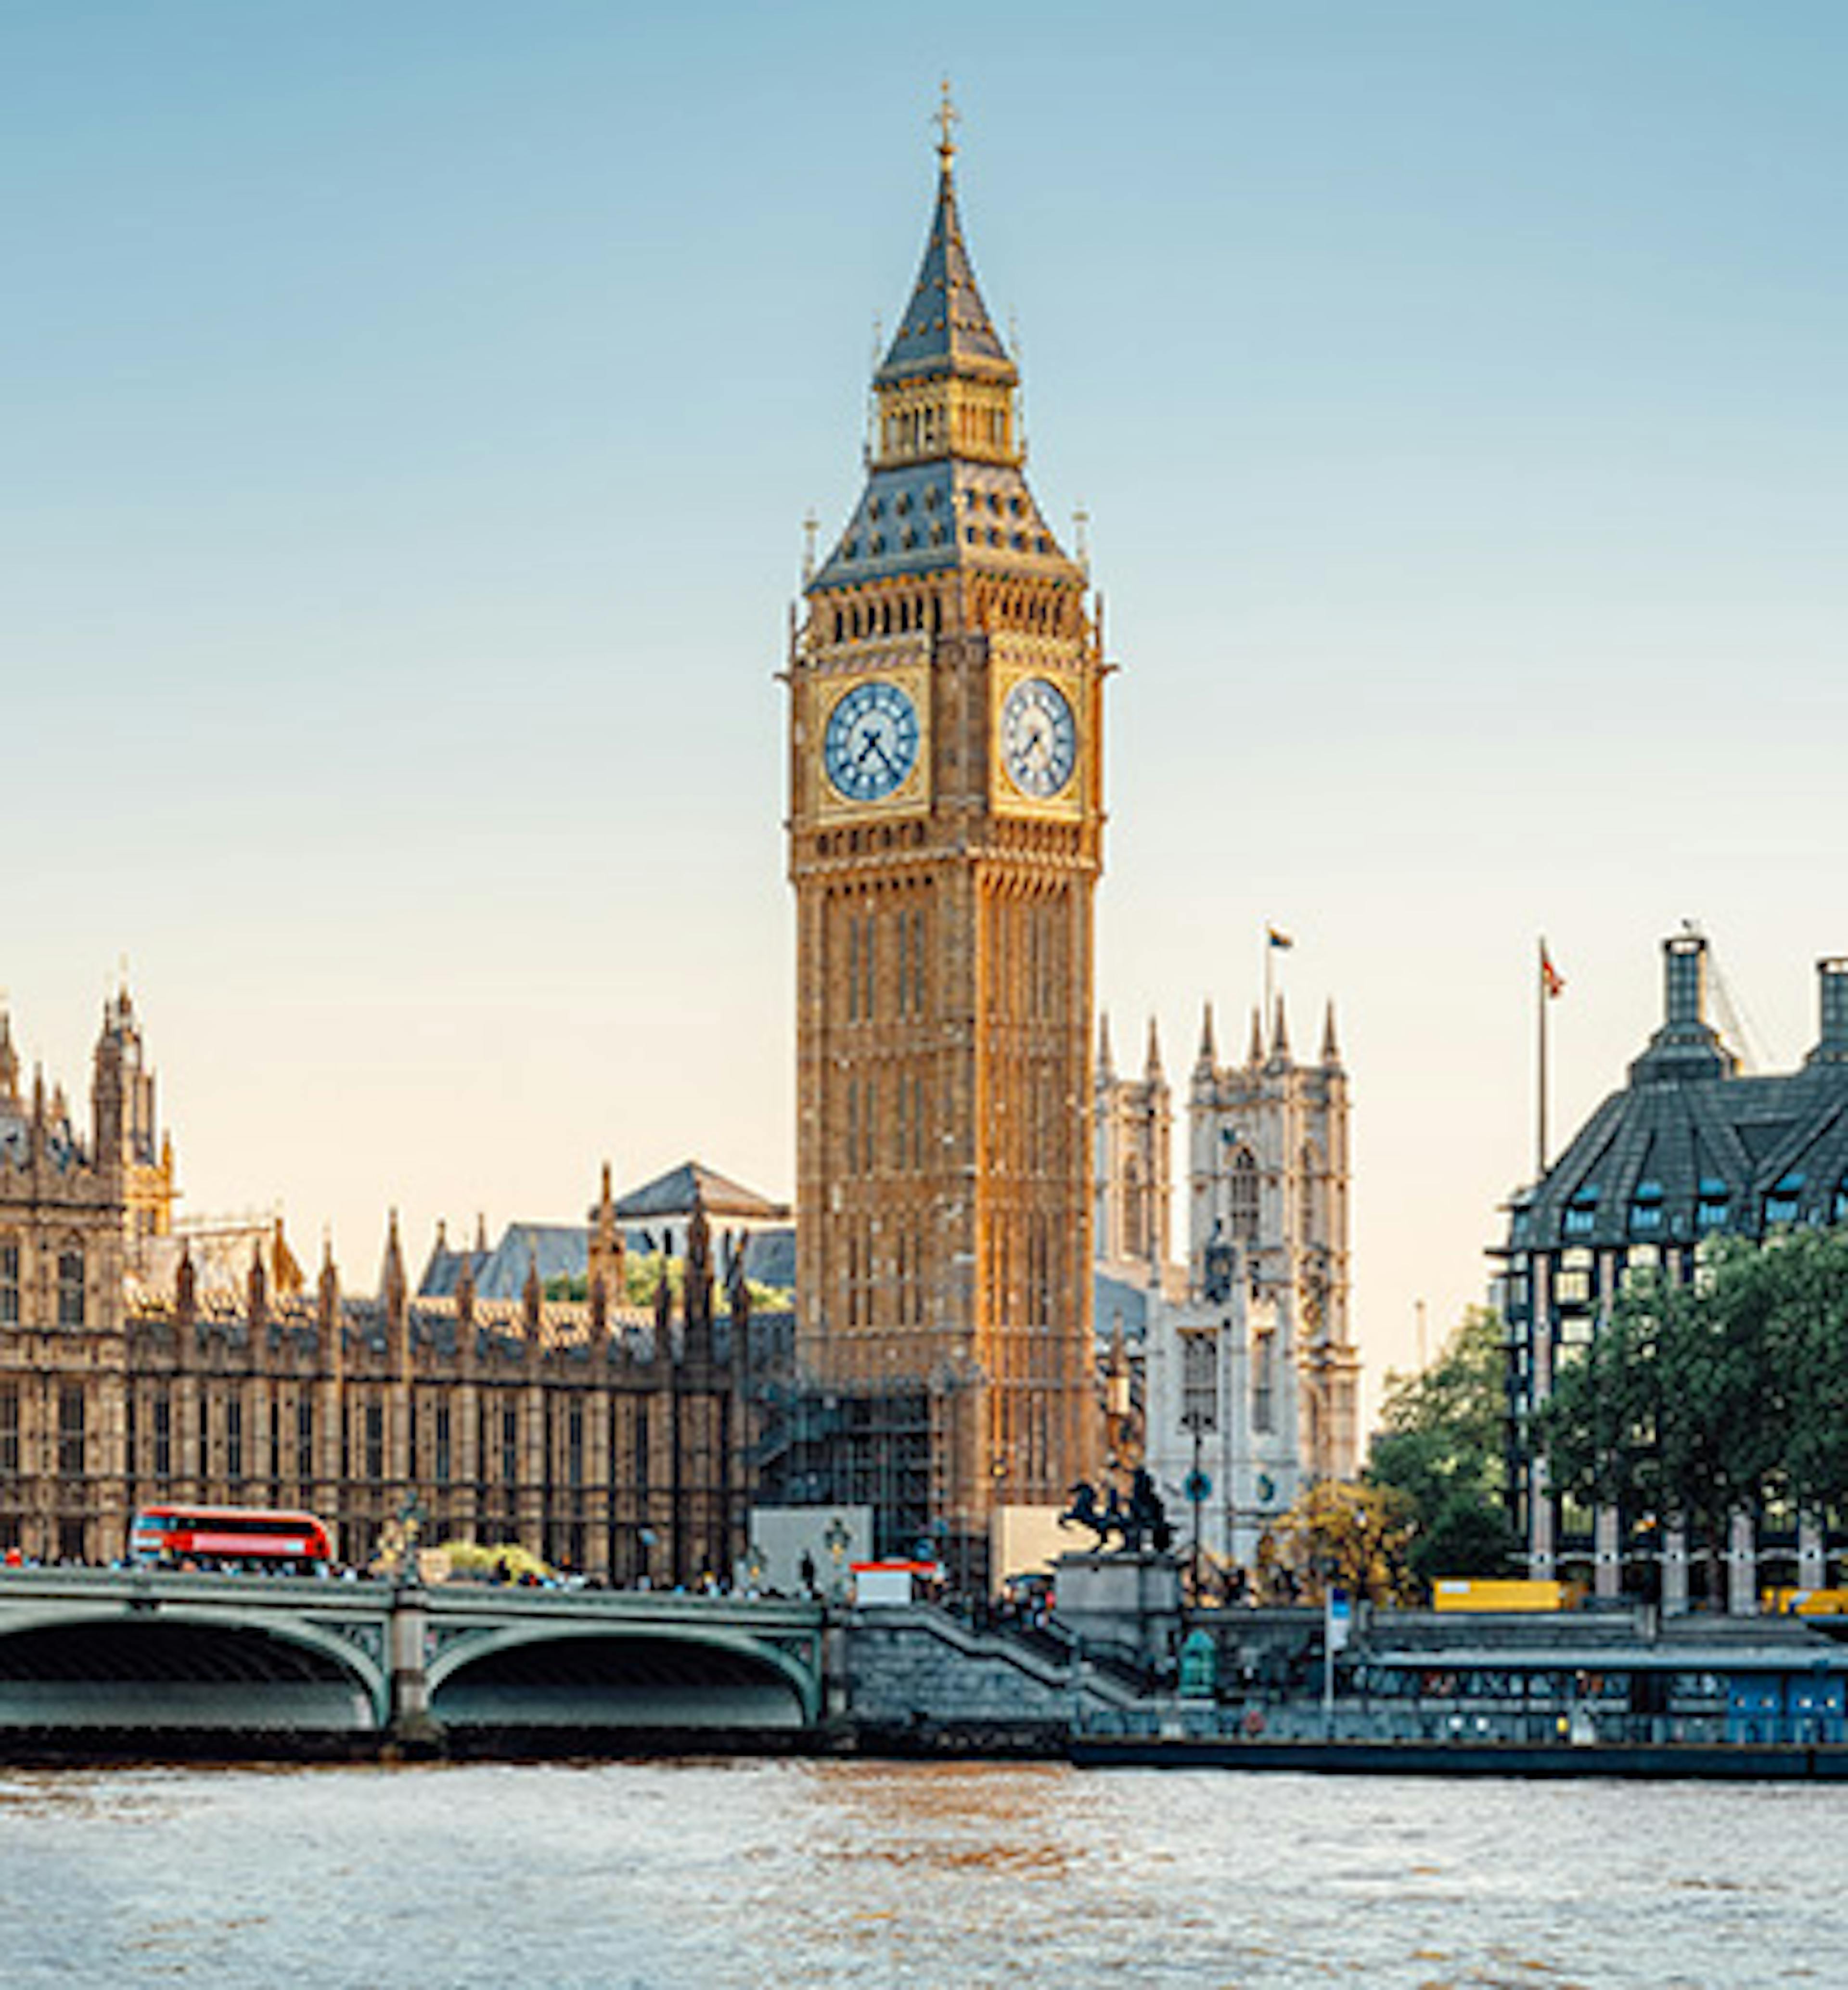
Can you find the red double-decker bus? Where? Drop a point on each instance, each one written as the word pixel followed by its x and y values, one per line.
pixel 246 1537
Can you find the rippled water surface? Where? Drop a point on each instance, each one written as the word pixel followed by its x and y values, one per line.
pixel 643 1876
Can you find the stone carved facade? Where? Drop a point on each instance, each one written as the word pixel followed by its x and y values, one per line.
pixel 595 1434
pixel 1251 1376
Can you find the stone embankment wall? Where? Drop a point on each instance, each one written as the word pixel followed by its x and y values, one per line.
pixel 913 1674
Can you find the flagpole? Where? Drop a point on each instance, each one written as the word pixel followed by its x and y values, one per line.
pixel 1540 1000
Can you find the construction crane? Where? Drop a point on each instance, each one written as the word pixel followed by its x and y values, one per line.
pixel 1733 1024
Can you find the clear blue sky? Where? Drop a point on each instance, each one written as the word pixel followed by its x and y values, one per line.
pixel 408 414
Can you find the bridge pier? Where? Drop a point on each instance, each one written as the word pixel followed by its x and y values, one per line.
pixel 413 1727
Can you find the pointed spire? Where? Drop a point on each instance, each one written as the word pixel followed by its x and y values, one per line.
pixel 1209 1047
pixel 1254 1053
pixel 185 1289
pixel 1151 1064
pixel 533 1294
pixel 326 1310
pixel 257 1288
pixel 9 1061
pixel 945 326
pixel 391 1269
pixel 1331 1048
pixel 1280 1034
pixel 481 1231
pixel 1106 1066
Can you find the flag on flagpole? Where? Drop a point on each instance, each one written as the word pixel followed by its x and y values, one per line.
pixel 1279 939
pixel 1550 978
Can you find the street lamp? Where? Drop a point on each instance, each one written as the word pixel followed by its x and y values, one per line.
pixel 837 1539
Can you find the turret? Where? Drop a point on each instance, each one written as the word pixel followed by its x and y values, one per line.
pixel 1207 1058
pixel 9 1063
pixel 185 1291
pixel 1331 1049
pixel 1253 1050
pixel 256 1291
pixel 394 1289
pixel 1151 1064
pixel 1280 1044
pixel 696 1297
pixel 1106 1066
pixel 607 1282
pixel 532 1296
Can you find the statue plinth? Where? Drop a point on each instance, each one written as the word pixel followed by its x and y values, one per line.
pixel 1127 1602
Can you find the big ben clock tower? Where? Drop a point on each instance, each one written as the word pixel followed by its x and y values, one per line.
pixel 945 827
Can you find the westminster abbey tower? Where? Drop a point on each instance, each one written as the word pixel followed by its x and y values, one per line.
pixel 945 844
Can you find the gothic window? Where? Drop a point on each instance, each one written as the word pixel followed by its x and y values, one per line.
pixel 1199 1382
pixel 9 1430
pixel 574 1443
pixel 9 1284
pixel 71 1445
pixel 919 956
pixel 70 1288
pixel 234 1439
pixel 510 1449
pixel 375 1441
pixel 304 1436
pixel 441 1463
pixel 1244 1196
pixel 163 1434
pixel 1264 1365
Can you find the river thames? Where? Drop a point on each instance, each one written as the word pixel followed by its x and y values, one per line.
pixel 651 1877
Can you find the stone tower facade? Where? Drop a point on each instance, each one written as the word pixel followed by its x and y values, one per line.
pixel 1268 1175
pixel 1134 1123
pixel 945 827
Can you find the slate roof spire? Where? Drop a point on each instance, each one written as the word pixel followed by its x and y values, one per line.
pixel 945 327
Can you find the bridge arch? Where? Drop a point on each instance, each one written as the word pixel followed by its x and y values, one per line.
pixel 659 1675
pixel 179 1668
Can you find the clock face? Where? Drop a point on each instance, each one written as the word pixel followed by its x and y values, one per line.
pixel 871 742
pixel 1039 738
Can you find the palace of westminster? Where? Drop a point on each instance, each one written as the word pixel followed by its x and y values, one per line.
pixel 985 1310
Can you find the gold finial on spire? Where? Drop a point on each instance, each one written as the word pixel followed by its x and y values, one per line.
pixel 948 117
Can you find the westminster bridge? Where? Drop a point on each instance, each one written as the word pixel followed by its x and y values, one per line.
pixel 131 1655
pixel 152 1651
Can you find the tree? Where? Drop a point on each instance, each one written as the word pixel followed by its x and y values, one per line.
pixel 1441 1445
pixel 1727 1395
pixel 1355 1537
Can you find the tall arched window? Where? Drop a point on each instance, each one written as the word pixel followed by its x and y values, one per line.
pixel 70 1288
pixel 1244 1196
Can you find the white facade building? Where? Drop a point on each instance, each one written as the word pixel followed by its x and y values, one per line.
pixel 1250 1378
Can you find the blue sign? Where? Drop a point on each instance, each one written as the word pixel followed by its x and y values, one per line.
pixel 1199 1489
